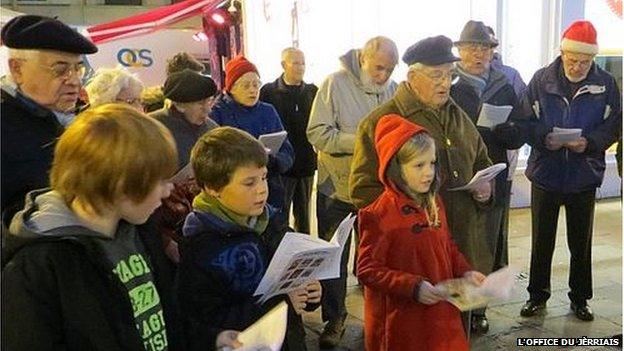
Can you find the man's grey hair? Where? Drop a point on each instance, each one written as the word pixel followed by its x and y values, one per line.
pixel 417 66
pixel 288 51
pixel 381 43
pixel 23 54
pixel 107 83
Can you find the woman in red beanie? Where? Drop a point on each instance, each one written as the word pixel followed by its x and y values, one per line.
pixel 240 107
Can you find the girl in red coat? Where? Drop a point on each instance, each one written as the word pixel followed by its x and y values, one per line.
pixel 406 249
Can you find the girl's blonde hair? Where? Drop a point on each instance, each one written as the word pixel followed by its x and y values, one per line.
pixel 414 146
pixel 110 151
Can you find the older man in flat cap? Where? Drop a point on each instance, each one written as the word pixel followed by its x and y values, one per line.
pixel 480 87
pixel 424 99
pixel 38 100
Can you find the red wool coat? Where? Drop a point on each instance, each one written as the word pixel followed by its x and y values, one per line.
pixel 397 251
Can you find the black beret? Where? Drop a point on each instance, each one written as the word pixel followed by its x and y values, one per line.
pixel 189 86
pixel 477 32
pixel 38 32
pixel 430 51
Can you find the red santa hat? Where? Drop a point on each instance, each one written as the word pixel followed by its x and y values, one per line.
pixel 580 37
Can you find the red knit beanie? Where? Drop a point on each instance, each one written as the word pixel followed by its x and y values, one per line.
pixel 580 37
pixel 235 68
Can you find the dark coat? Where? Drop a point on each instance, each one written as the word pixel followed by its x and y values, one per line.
pixel 503 137
pixel 221 265
pixel 62 291
pixel 293 106
pixel 184 133
pixel 595 108
pixel 29 134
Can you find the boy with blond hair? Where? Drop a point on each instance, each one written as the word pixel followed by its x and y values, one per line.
pixel 229 239
pixel 79 274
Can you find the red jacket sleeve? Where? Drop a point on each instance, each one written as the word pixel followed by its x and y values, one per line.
pixel 371 263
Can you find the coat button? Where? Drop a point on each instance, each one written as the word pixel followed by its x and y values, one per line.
pixel 417 228
pixel 455 174
pixel 448 142
pixel 407 209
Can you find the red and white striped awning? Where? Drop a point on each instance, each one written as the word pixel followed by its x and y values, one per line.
pixel 150 21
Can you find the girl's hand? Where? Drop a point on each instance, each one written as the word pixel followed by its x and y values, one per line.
pixel 227 340
pixel 429 294
pixel 298 299
pixel 474 277
pixel 314 292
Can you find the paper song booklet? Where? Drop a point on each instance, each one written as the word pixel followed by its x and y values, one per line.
pixel 273 141
pixel 300 259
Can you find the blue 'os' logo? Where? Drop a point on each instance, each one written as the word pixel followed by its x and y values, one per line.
pixel 135 57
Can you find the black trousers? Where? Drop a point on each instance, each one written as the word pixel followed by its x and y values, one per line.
pixel 579 209
pixel 298 191
pixel 330 212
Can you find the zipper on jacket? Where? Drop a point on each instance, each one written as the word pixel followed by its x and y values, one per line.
pixel 565 117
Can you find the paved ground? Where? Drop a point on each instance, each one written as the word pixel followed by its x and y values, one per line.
pixel 506 323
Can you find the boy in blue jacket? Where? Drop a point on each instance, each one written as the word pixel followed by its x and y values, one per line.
pixel 229 239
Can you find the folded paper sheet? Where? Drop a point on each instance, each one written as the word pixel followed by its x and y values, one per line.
pixel 273 141
pixel 492 115
pixel 268 332
pixel 301 258
pixel 484 175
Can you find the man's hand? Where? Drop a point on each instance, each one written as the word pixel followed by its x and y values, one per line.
pixel 298 299
pixel 482 192
pixel 429 294
pixel 314 292
pixel 227 340
pixel 551 144
pixel 474 277
pixel 579 145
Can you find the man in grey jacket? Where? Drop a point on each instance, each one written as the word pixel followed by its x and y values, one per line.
pixel 344 98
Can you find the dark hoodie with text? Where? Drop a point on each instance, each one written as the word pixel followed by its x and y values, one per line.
pixel 66 287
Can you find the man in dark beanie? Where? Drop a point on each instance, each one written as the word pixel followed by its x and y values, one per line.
pixel 478 86
pixel 424 99
pixel 38 101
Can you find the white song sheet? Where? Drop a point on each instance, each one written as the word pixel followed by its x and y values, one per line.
pixel 300 259
pixel 267 333
pixel 467 296
pixel 492 115
pixel 273 141
pixel 482 176
pixel 564 135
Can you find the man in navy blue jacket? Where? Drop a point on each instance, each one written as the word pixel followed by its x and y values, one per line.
pixel 572 92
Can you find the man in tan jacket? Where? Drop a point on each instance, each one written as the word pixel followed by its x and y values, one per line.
pixel 424 99
pixel 343 99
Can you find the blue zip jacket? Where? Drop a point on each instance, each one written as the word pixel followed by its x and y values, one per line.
pixel 595 108
pixel 262 118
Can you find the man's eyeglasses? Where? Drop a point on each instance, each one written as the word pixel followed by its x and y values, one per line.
pixel 583 64
pixel 133 102
pixel 438 77
pixel 65 70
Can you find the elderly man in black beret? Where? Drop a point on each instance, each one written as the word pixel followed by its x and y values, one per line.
pixel 38 100
pixel 424 99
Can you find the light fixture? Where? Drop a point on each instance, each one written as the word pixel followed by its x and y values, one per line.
pixel 218 18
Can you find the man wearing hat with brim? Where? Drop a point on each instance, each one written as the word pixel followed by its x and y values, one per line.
pixel 38 100
pixel 571 92
pixel 479 83
pixel 424 99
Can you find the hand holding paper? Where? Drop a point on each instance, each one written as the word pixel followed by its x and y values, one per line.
pixel 564 135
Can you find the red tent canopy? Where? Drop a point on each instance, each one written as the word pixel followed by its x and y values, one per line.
pixel 150 21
